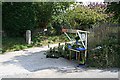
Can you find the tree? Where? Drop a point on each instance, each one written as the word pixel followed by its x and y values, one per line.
pixel 18 17
pixel 80 17
pixel 45 11
pixel 113 10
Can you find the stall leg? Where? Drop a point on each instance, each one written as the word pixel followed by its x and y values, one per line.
pixel 70 55
pixel 85 56
pixel 79 57
pixel 76 56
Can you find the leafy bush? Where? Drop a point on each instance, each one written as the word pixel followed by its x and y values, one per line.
pixel 108 55
pixel 80 17
pixel 113 11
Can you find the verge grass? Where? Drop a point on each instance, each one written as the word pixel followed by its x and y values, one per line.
pixel 17 43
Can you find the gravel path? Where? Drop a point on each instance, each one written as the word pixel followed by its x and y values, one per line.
pixel 32 63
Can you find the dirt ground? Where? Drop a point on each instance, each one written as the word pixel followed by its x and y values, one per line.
pixel 32 63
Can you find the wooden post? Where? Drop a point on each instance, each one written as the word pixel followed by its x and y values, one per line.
pixel 86 40
pixel 70 55
pixel 48 44
pixel 86 47
pixel 78 57
pixel 28 37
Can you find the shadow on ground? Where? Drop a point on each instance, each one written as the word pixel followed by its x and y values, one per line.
pixel 37 61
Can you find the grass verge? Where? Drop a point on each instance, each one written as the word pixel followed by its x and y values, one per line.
pixel 18 43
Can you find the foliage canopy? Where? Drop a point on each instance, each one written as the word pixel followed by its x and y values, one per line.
pixel 18 17
pixel 114 10
pixel 80 17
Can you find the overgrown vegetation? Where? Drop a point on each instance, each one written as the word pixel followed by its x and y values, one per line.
pixel 80 17
pixel 113 11
pixel 108 39
pixel 106 54
pixel 19 17
pixel 13 44
pixel 18 43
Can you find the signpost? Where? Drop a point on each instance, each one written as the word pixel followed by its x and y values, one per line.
pixel 28 37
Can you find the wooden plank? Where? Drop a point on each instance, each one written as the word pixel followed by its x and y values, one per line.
pixel 73 31
pixel 83 31
pixel 81 40
pixel 67 36
pixel 74 50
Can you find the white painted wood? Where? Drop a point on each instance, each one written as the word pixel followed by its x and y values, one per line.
pixel 81 39
pixel 67 36
pixel 86 46
pixel 86 40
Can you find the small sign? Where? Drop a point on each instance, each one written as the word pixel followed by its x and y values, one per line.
pixel 83 36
